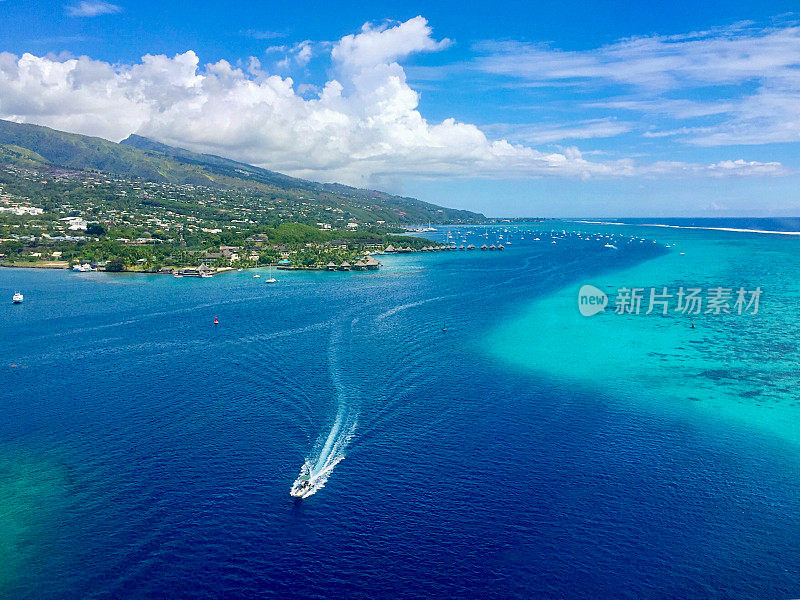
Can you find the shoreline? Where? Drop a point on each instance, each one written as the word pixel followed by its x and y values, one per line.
pixel 175 270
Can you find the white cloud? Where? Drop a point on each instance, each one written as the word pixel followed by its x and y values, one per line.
pixel 262 34
pixel 722 56
pixel 92 8
pixel 725 168
pixel 385 44
pixel 363 127
pixel 545 133
pixel 745 79
pixel 295 55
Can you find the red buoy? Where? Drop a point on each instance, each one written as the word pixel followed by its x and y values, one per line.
pixel 216 320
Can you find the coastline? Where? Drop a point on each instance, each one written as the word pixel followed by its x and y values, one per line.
pixel 367 263
pixel 57 265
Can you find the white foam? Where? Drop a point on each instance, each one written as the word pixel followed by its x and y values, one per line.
pixel 328 451
pixel 733 229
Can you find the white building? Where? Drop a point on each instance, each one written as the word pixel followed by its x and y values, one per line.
pixel 75 223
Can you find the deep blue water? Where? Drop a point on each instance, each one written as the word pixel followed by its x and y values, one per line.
pixel 146 453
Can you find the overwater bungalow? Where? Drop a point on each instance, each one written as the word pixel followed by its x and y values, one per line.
pixel 471 247
pixel 345 266
pixel 389 249
pixel 462 247
pixel 484 247
pixel 331 266
pixel 359 265
pixel 492 247
pixel 371 263
pixel 501 247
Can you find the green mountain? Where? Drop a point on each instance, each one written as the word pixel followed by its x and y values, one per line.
pixel 140 158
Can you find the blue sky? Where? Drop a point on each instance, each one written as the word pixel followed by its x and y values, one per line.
pixel 514 108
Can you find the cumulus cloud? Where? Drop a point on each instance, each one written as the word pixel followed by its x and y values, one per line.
pixel 362 127
pixel 294 55
pixel 384 44
pixel 92 8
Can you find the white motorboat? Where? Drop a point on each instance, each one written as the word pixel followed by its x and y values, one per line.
pixel 302 486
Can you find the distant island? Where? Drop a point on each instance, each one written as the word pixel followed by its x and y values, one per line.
pixel 142 206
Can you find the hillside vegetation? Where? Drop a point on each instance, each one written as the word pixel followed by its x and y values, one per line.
pixel 141 205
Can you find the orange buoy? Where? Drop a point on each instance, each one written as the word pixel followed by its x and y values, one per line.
pixel 216 320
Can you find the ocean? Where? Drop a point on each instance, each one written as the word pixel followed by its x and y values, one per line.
pixel 471 434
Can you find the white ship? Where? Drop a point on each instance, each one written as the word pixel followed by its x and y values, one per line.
pixel 17 298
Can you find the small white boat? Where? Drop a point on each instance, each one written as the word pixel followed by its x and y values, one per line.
pixel 271 280
pixel 17 298
pixel 256 276
pixel 302 486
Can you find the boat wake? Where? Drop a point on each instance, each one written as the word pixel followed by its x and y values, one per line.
pixel 314 473
pixel 328 451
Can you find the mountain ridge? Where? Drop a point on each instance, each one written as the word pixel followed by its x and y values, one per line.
pixel 149 160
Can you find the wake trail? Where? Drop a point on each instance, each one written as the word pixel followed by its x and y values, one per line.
pixel 329 449
pixel 401 377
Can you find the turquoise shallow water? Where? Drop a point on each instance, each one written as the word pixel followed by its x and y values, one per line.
pixel 525 452
pixel 739 368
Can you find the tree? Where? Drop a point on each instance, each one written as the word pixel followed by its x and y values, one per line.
pixel 115 264
pixel 95 229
